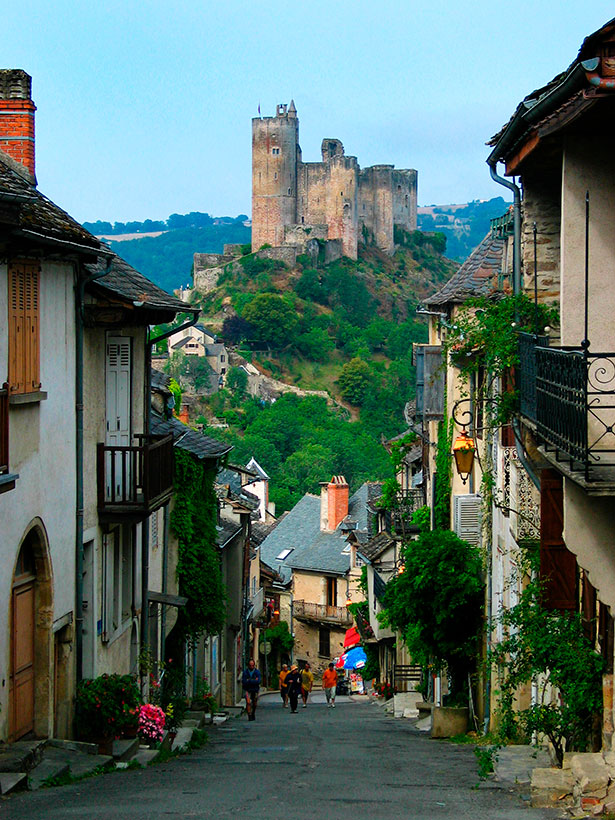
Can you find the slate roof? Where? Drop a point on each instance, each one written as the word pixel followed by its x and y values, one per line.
pixel 126 282
pixel 376 546
pixel 188 439
pixel 36 213
pixel 476 275
pixel 160 381
pixel 231 479
pixel 226 530
pixel 312 549
pixel 259 531
pixel 214 349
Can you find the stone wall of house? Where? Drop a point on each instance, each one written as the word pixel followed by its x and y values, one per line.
pixel 541 205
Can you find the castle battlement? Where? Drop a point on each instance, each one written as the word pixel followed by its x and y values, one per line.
pixel 336 192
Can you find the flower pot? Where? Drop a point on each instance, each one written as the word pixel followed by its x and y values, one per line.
pixel 105 745
pixel 448 721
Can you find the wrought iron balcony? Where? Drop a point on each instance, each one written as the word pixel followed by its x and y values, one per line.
pixel 569 394
pixel 134 480
pixel 323 613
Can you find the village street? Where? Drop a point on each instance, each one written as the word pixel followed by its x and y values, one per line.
pixel 351 761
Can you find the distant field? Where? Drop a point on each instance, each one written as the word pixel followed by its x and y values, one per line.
pixel 123 237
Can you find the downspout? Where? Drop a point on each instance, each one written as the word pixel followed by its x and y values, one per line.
pixel 516 221
pixel 79 512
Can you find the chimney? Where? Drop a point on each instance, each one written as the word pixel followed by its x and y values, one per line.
pixel 324 506
pixel 17 118
pixel 337 493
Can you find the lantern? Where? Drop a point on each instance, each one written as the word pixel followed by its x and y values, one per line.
pixel 463 452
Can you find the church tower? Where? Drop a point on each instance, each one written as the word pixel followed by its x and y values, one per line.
pixel 275 150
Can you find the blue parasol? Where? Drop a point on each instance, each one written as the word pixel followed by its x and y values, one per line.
pixel 355 658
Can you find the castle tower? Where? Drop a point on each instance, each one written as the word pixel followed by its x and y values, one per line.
pixel 275 152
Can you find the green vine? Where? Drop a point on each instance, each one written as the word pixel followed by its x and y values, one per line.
pixel 199 573
pixel 444 475
pixel 549 647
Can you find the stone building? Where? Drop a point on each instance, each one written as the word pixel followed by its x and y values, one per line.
pixel 295 201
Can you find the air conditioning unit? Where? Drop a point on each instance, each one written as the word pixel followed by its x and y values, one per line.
pixel 467 517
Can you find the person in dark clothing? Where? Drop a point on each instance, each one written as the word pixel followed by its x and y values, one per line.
pixel 293 684
pixel 251 682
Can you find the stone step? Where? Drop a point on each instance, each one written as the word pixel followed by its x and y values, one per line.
pixel 21 756
pixel 83 764
pixel 145 756
pixel 183 737
pixel 13 781
pixel 49 767
pixel 74 745
pixel 190 724
pixel 195 714
pixel 125 748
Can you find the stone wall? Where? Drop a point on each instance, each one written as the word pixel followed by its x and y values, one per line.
pixel 376 205
pixel 404 198
pixel 542 205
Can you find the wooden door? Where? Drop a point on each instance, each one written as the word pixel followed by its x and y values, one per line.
pixel 21 680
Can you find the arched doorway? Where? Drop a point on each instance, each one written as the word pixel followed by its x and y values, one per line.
pixel 31 620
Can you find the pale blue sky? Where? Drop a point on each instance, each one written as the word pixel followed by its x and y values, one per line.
pixel 144 108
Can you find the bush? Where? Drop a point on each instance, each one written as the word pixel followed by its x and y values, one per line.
pixel 106 706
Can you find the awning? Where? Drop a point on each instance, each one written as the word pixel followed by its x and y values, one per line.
pixel 351 638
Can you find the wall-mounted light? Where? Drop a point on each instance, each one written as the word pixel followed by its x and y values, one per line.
pixel 464 450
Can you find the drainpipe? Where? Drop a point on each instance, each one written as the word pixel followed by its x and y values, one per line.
pixel 516 221
pixel 79 297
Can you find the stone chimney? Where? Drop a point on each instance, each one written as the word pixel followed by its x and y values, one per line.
pixel 337 497
pixel 17 118
pixel 324 506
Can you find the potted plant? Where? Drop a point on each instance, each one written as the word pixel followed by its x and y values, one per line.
pixel 106 707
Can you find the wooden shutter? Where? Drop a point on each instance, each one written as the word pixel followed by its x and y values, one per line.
pixel 467 517
pixel 558 566
pixel 24 344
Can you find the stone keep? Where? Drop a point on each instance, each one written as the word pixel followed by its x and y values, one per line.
pixel 333 199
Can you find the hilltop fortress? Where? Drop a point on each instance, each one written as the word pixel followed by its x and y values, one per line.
pixel 294 202
pixel 322 209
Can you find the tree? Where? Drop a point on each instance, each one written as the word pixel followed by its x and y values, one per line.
pixel 436 603
pixel 236 329
pixel 273 320
pixel 354 380
pixel 237 380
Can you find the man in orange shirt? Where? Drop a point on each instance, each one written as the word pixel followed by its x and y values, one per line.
pixel 329 682
pixel 283 686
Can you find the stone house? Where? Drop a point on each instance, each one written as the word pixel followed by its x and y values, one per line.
pixel 556 144
pixel 308 549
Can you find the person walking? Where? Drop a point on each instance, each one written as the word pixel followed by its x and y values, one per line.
pixel 251 682
pixel 293 685
pixel 307 681
pixel 329 682
pixel 283 686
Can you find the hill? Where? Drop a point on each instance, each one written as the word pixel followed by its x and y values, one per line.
pixel 463 225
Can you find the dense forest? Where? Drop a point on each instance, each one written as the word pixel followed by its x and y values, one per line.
pixel 346 328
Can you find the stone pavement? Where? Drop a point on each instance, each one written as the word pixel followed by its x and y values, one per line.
pixel 351 761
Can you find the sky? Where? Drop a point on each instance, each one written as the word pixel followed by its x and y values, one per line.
pixel 144 108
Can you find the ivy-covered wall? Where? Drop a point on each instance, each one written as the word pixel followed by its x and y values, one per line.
pixel 193 522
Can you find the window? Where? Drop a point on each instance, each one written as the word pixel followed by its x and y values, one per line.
pixel 275 176
pixel 324 642
pixel 331 591
pixel 275 151
pixel 222 358
pixel 24 343
pixel 284 554
pixel 358 561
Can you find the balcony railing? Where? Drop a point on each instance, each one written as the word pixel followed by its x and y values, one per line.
pixel 570 395
pixel 526 374
pixel 137 479
pixel 322 612
pixel 4 429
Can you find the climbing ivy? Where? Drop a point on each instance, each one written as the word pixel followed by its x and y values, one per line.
pixel 199 573
pixel 548 647
pixel 444 475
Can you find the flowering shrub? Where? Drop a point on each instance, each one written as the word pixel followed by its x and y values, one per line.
pixel 151 722
pixel 386 690
pixel 106 706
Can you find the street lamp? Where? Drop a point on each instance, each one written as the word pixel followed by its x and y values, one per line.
pixel 464 450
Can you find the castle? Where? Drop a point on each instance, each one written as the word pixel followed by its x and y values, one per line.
pixel 294 202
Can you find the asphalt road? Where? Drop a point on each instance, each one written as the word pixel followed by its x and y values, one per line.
pixel 348 762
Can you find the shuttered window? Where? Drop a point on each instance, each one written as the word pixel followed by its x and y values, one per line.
pixel 24 342
pixel 558 566
pixel 467 518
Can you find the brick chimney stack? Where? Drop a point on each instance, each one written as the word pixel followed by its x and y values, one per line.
pixel 17 118
pixel 337 497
